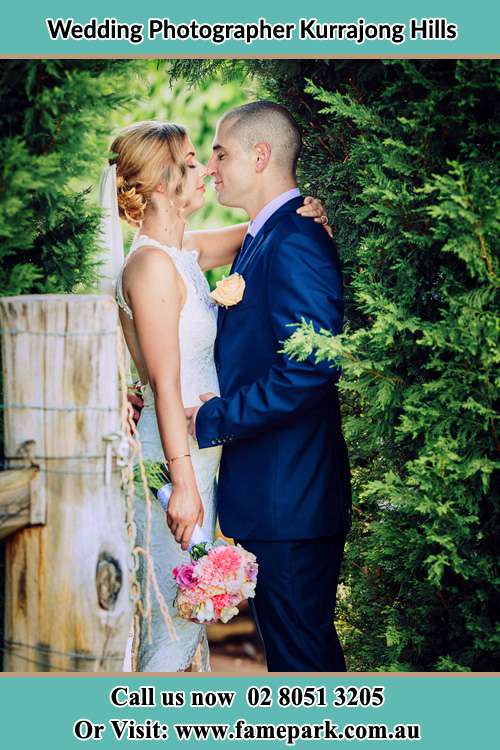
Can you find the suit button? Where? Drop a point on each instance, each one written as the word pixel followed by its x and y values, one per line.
pixel 217 366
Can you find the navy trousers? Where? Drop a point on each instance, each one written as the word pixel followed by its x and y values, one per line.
pixel 294 603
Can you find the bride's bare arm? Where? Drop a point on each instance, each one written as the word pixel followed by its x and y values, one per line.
pixel 217 247
pixel 156 293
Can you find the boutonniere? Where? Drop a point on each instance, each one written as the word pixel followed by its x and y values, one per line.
pixel 229 291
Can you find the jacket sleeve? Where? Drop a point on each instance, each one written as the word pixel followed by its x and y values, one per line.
pixel 304 281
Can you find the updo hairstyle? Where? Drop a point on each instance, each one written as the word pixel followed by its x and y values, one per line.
pixel 147 154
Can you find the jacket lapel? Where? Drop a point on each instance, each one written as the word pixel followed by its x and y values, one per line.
pixel 221 313
pixel 244 260
pixel 239 266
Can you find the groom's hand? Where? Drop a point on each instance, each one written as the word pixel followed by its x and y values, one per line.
pixel 192 412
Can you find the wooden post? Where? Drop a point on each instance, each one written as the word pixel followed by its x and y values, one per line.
pixel 17 496
pixel 67 602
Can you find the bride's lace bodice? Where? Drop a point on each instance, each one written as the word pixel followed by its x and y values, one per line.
pixel 197 324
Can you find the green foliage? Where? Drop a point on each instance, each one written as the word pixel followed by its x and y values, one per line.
pixel 54 125
pixel 405 155
pixel 157 476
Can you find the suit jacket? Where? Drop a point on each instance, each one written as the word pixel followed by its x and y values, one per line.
pixel 284 472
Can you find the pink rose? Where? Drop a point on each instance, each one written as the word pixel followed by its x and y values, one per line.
pixel 184 575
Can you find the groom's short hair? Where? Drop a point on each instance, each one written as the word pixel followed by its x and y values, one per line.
pixel 267 121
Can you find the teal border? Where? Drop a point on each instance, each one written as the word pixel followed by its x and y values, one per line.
pixel 456 712
pixel 23 30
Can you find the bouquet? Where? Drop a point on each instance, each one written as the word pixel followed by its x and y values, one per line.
pixel 218 577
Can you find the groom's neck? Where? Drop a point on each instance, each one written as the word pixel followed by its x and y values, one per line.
pixel 265 193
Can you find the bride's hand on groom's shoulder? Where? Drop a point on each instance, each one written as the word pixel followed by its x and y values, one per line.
pixel 313 208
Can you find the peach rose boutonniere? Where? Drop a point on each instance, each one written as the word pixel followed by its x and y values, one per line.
pixel 229 291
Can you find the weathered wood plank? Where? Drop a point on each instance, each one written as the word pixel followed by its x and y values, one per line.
pixel 67 589
pixel 15 499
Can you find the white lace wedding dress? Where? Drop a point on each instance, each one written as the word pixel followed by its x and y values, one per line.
pixel 197 330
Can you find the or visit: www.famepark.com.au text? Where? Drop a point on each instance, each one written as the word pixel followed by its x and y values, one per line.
pixel 291 733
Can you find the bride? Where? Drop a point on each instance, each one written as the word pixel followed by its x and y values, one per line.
pixel 169 323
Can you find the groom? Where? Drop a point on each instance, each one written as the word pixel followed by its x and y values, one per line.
pixel 284 483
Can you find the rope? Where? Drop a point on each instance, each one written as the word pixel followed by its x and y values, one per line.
pixel 57 334
pixel 52 458
pixel 74 473
pixel 69 654
pixel 142 601
pixel 14 648
pixel 35 662
pixel 33 407
pixel 67 472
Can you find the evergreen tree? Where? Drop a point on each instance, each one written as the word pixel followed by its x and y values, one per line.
pixel 54 132
pixel 405 155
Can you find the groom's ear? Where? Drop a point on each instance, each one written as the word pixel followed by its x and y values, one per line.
pixel 262 155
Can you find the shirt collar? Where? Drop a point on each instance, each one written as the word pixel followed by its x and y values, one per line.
pixel 271 208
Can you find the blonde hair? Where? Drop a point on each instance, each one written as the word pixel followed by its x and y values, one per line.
pixel 147 154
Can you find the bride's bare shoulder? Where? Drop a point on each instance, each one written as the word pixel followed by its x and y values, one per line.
pixel 149 259
pixel 150 272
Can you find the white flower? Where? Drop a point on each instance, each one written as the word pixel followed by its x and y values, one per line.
pixel 227 613
pixel 248 589
pixel 206 612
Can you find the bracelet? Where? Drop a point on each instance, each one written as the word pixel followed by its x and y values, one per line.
pixel 176 458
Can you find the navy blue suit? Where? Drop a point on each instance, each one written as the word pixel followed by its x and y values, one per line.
pixel 284 482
